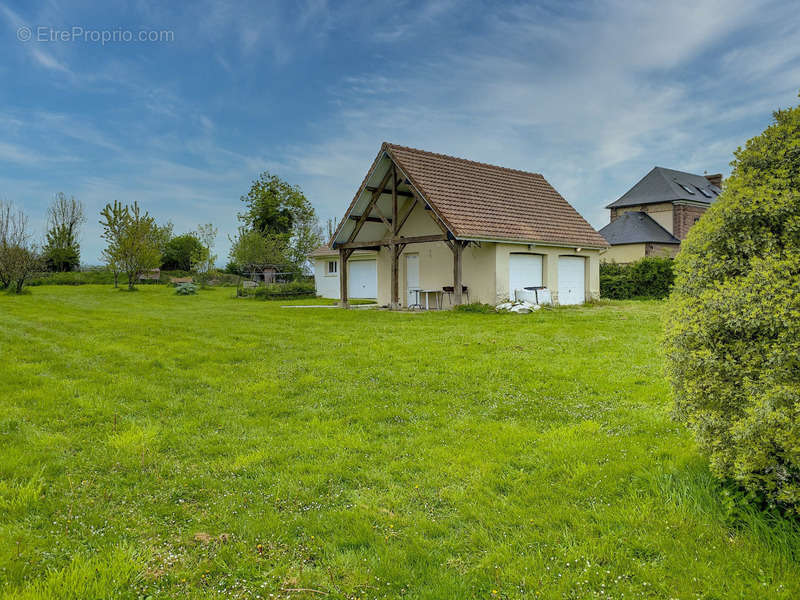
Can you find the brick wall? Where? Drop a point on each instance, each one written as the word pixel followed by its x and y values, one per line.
pixel 683 217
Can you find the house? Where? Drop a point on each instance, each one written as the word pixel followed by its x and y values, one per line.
pixel 652 217
pixel 455 229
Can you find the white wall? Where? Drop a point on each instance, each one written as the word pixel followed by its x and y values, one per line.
pixel 327 285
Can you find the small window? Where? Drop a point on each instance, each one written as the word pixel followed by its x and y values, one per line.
pixel 704 192
pixel 687 188
pixel 333 267
pixel 696 219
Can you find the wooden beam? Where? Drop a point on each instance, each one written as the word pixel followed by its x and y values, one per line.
pixel 416 239
pixel 394 199
pixel 382 218
pixel 403 193
pixel 393 247
pixel 363 218
pixel 394 299
pixel 403 220
pixel 344 256
pixel 457 256
pixel 368 219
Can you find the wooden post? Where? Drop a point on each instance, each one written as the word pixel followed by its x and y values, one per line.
pixel 394 201
pixel 395 300
pixel 457 251
pixel 344 254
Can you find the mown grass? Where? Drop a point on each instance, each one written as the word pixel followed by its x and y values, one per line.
pixel 203 446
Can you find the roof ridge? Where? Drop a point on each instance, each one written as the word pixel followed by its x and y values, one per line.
pixel 458 158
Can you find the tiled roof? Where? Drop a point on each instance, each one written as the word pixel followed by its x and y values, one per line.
pixel 636 228
pixel 669 185
pixel 481 201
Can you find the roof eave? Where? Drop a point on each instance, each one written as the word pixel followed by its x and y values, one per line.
pixel 559 244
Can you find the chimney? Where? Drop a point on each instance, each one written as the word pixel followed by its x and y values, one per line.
pixel 715 179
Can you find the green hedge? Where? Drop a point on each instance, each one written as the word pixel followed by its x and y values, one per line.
pixel 645 278
pixel 281 291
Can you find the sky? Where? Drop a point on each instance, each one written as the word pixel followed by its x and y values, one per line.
pixel 590 94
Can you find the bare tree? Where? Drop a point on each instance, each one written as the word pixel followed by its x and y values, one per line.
pixel 19 255
pixel 65 216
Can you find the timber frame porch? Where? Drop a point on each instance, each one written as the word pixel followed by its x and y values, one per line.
pixel 393 222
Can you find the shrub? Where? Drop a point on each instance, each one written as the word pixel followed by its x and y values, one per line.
pixel 650 277
pixel 186 289
pixel 733 326
pixel 282 291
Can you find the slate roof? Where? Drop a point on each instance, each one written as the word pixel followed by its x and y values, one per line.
pixel 481 201
pixel 636 228
pixel 667 185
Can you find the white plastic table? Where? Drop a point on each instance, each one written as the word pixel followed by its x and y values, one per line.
pixel 437 298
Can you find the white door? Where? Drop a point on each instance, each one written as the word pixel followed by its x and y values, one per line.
pixel 412 278
pixel 524 270
pixel 363 279
pixel 571 280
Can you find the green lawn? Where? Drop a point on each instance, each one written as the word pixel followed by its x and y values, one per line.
pixel 202 446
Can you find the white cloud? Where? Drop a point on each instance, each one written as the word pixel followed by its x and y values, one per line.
pixel 590 99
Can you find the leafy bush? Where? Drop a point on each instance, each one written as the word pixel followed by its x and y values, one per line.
pixel 281 291
pixel 179 251
pixel 650 277
pixel 733 328
pixel 186 289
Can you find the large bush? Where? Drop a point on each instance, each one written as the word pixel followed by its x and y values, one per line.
pixel 645 278
pixel 282 291
pixel 733 328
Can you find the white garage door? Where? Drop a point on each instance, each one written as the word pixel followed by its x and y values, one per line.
pixel 363 279
pixel 524 270
pixel 571 274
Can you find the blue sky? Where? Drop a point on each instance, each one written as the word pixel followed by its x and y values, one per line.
pixel 592 95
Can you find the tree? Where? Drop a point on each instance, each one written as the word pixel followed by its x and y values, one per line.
pixel 203 259
pixel 65 216
pixel 178 252
pixel 113 220
pixel 281 212
pixel 252 252
pixel 19 255
pixel 733 328
pixel 134 240
pixel 140 244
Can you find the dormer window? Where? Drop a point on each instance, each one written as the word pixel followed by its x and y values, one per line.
pixel 704 192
